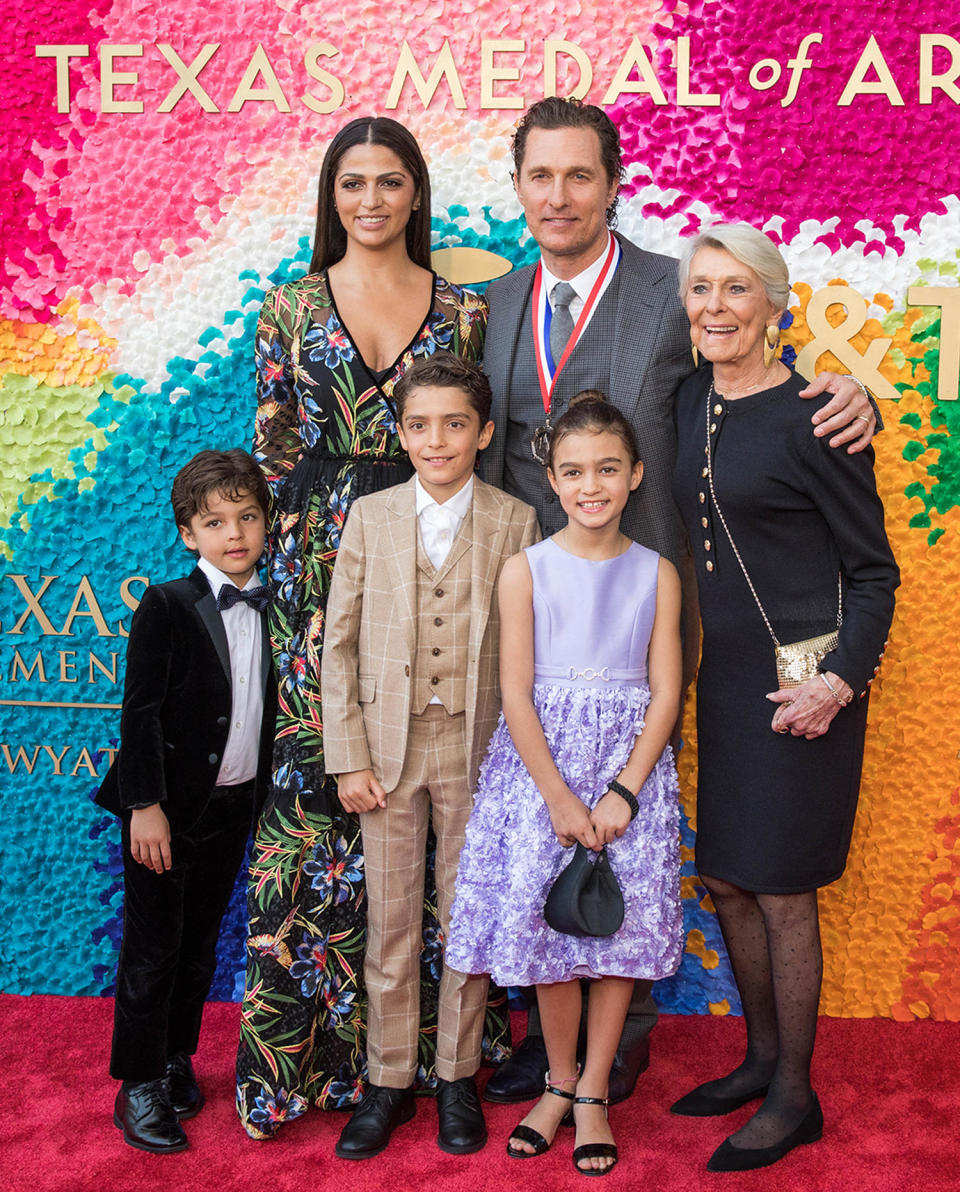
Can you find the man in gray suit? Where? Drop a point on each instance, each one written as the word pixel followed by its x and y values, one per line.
pixel 602 314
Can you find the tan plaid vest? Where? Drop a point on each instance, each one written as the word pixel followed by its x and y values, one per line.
pixel 443 625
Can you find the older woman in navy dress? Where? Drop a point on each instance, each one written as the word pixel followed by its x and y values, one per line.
pixel 779 769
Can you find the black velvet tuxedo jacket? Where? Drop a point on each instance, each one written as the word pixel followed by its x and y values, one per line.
pixel 176 705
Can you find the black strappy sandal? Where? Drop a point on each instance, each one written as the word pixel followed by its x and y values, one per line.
pixel 595 1150
pixel 534 1137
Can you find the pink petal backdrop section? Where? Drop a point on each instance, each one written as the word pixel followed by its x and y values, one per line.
pixel 751 158
pixel 138 186
pixel 107 194
pixel 38 145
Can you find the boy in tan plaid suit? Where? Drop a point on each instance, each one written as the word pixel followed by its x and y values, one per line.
pixel 410 698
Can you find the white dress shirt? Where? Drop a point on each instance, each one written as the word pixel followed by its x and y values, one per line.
pixel 439 523
pixel 242 624
pixel 583 283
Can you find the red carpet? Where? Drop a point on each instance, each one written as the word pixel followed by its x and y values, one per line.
pixel 890 1094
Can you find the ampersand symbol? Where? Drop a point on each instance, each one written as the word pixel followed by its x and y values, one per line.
pixel 837 340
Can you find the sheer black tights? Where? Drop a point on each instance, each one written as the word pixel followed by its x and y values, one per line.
pixel 773 941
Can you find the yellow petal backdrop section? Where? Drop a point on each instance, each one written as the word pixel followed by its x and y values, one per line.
pixel 70 351
pixel 891 923
pixel 871 917
pixel 51 381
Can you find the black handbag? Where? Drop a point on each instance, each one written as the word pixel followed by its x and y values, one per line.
pixel 585 899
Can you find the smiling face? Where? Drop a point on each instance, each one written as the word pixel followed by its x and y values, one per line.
pixel 565 191
pixel 374 195
pixel 728 308
pixel 593 477
pixel 441 432
pixel 228 534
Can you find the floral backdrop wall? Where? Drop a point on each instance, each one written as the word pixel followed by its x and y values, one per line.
pixel 159 169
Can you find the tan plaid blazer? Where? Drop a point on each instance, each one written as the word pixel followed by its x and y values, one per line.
pixel 371 628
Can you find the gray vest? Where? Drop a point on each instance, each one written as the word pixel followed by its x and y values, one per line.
pixel 587 368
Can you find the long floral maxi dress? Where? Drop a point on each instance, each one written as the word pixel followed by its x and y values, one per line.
pixel 325 434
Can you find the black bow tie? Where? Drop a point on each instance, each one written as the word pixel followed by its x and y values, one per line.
pixel 230 594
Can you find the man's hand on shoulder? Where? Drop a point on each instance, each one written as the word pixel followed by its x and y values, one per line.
pixel 848 417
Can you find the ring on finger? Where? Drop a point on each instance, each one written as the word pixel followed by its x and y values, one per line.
pixel 863 418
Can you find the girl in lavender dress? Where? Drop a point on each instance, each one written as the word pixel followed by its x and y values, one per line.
pixel 590 672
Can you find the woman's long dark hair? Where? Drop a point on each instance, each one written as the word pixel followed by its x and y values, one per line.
pixel 329 238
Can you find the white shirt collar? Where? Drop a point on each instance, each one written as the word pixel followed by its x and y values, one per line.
pixel 218 578
pixel 458 504
pixel 583 282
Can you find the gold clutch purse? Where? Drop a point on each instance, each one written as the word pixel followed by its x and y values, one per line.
pixel 799 661
pixel 796 661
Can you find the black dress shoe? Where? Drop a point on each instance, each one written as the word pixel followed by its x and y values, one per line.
pixel 628 1063
pixel 462 1128
pixel 728 1157
pixel 697 1103
pixel 374 1120
pixel 143 1112
pixel 185 1096
pixel 521 1077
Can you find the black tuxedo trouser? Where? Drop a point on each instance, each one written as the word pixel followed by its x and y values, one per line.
pixel 170 926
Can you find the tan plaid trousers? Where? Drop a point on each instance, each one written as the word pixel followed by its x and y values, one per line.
pixel 434 776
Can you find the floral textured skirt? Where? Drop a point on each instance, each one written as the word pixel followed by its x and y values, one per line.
pixel 511 856
pixel 303 1021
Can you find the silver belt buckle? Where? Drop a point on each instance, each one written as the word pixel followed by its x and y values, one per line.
pixel 589 674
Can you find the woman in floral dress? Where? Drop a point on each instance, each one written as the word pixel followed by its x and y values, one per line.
pixel 330 348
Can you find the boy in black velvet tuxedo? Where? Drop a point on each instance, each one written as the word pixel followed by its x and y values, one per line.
pixel 196 735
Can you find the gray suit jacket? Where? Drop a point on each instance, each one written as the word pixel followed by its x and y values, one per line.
pixel 650 338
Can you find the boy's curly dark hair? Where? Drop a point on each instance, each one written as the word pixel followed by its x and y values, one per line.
pixel 227 472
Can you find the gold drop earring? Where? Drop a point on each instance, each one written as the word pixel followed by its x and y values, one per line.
pixel 771 342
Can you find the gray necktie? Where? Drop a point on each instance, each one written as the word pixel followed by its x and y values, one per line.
pixel 561 324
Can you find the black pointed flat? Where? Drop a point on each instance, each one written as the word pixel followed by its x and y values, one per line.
pixel 700 1104
pixel 728 1157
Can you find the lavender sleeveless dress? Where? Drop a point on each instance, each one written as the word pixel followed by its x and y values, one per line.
pixel 592 624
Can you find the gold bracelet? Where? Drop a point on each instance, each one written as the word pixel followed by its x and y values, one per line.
pixel 833 691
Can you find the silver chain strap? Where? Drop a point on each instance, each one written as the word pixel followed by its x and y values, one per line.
pixel 723 522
